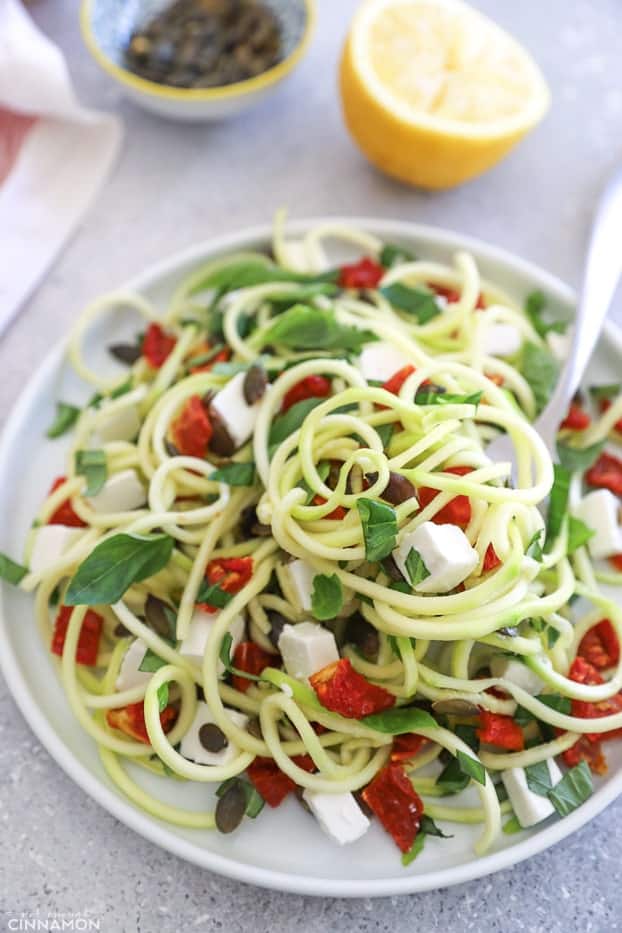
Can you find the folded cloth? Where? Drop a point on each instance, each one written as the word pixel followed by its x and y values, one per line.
pixel 54 156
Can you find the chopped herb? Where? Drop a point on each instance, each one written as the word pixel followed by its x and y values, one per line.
pixel 93 466
pixel 415 849
pixel 327 597
pixel 573 789
pixel 554 701
pixel 323 469
pixel 468 734
pixel 534 306
pixel 162 697
pixel 385 433
pixel 558 505
pixel 430 397
pixel 401 586
pixel 419 302
pixel 114 565
pixel 403 719
pixel 285 424
pixel 225 656
pixel 512 826
pixel 415 567
pixel 66 417
pixel 606 391
pixel 578 534
pixel 452 778
pixel 475 769
pixel 10 571
pixel 501 792
pixel 122 389
pixel 391 254
pixel 151 662
pixel 379 523
pixel 243 273
pixel 539 778
pixel 302 327
pixel 576 459
pixel 235 474
pixel 540 369
pixel 534 548
pixel 429 827
pixel 214 595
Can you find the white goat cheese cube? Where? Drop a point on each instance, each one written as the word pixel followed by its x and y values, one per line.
pixel 238 417
pixel 446 553
pixel 307 648
pixel 516 673
pixel 191 746
pixel 122 424
pixel 129 676
pixel 381 360
pixel 529 808
pixel 300 576
pixel 49 544
pixel 559 344
pixel 123 492
pixel 600 511
pixel 502 340
pixel 193 645
pixel 339 815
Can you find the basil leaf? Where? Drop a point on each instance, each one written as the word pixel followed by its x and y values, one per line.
pixel 558 505
pixel 415 849
pixel 573 789
pixel 391 254
pixel 66 417
pixel 243 273
pixel 151 662
pixel 304 328
pixel 512 826
pixel 323 469
pixel 93 466
pixel 10 571
pixel 429 827
pixel 415 567
pixel 452 779
pixel 501 792
pixel 475 769
pixel 285 424
pixel 225 656
pixel 403 719
pixel 430 397
pixel 575 459
pixel 554 701
pixel 214 595
pixel 379 523
pixel 327 597
pixel 162 696
pixel 539 778
pixel 401 586
pixel 606 391
pixel 534 548
pixel 468 734
pixel 235 474
pixel 534 306
pixel 578 534
pixel 540 369
pixel 114 565
pixel 122 389
pixel 419 302
pixel 385 433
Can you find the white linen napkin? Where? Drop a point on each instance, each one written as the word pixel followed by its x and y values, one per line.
pixel 54 156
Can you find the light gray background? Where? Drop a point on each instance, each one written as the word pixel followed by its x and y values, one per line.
pixel 176 184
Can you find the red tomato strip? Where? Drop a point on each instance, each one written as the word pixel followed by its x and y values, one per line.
pixel 396 803
pixel 586 750
pixel 583 672
pixel 251 658
pixel 88 639
pixel 397 380
pixel 272 783
pixel 191 430
pixel 491 561
pixel 311 387
pixel 600 646
pixel 229 573
pixel 366 273
pixel 131 720
pixel 577 419
pixel 457 511
pixel 606 474
pixel 336 515
pixel 157 345
pixel 501 731
pixel 64 514
pixel 343 690
pixel 406 746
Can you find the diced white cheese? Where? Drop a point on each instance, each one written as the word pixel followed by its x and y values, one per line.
pixel 307 648
pixel 446 553
pixel 517 673
pixel 381 360
pixel 193 645
pixel 559 344
pixel 49 543
pixel 238 417
pixel 339 815
pixel 529 808
pixel 191 746
pixel 298 581
pixel 129 675
pixel 502 340
pixel 121 424
pixel 600 511
pixel 121 493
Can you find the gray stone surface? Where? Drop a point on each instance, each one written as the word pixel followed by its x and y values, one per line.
pixel 176 184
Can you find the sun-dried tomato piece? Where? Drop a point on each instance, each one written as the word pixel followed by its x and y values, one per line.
pixel 577 419
pixel 157 345
pixel 600 645
pixel 336 515
pixel 397 380
pixel 272 783
pixel 396 803
pixel 497 378
pixel 606 474
pixel 221 356
pixel 343 690
pixel 230 574
pixel 131 720
pixel 64 514
pixel 310 387
pixel 586 750
pixel 366 273
pixel 452 295
pixel 501 731
pixel 406 746
pixel 457 511
pixel 491 560
pixel 616 561
pixel 583 672
pixel 192 430
pixel 88 639
pixel 251 658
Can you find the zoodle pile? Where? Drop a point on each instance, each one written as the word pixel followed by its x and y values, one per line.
pixel 316 582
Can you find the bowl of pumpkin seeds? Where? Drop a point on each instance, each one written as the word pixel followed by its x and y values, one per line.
pixel 197 59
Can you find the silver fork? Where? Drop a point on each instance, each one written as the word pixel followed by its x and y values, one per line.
pixel 602 273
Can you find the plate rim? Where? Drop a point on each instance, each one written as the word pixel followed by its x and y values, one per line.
pixel 154 830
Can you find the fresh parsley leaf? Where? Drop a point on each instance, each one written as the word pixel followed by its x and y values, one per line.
pixel 415 849
pixel 214 595
pixel 415 567
pixel 162 697
pixel 10 571
pixel 419 302
pixel 573 789
pixel 302 327
pixel 391 254
pixel 534 306
pixel 151 662
pixel 66 417
pixel 93 466
pixel 539 778
pixel 576 459
pixel 540 370
pixel 114 565
pixel 399 720
pixel 327 597
pixel 235 474
pixel 558 504
pixel 285 424
pixel 578 534
pixel 475 769
pixel 379 523
pixel 429 827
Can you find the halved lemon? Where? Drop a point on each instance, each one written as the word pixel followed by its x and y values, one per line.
pixel 435 93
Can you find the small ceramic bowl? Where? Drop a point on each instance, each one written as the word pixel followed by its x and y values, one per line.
pixel 107 25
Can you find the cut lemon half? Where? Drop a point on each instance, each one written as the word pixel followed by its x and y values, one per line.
pixel 435 93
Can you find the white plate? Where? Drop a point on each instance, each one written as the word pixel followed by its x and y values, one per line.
pixel 284 848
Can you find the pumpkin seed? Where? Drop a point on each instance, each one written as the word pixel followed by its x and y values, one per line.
pixel 212 738
pixel 230 808
pixel 455 707
pixel 255 383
